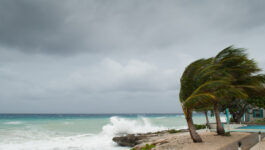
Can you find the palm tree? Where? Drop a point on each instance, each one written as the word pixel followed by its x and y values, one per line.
pixel 204 109
pixel 199 84
pixel 207 119
pixel 205 82
pixel 216 81
pixel 244 78
pixel 188 86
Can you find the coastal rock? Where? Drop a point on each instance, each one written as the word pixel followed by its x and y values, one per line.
pixel 128 140
pixel 132 140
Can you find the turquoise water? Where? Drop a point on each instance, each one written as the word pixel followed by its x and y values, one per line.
pixel 80 132
pixel 253 127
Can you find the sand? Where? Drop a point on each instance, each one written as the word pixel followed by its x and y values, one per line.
pixel 214 142
pixel 182 141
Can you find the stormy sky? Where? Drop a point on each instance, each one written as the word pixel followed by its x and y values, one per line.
pixel 114 56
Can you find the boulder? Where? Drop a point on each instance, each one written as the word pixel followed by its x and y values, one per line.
pixel 128 140
pixel 131 140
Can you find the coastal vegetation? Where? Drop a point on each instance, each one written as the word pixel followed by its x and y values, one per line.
pixel 218 82
pixel 239 107
pixel 199 126
pixel 173 131
pixel 147 147
pixel 260 121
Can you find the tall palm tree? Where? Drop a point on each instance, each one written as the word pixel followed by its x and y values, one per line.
pixel 206 82
pixel 207 119
pixel 199 84
pixel 205 109
pixel 216 81
pixel 188 86
pixel 244 77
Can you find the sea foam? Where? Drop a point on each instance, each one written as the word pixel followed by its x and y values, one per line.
pixel 47 140
pixel 13 122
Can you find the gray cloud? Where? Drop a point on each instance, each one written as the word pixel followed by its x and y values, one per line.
pixel 114 56
pixel 100 26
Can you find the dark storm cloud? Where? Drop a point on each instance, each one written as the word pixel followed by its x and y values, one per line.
pixel 95 56
pixel 29 25
pixel 120 25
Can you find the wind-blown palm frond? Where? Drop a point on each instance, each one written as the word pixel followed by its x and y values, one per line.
pixel 198 99
pixel 231 92
pixel 189 82
pixel 211 86
pixel 230 52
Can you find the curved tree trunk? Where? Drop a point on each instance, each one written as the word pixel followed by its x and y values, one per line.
pixel 219 128
pixel 194 135
pixel 207 120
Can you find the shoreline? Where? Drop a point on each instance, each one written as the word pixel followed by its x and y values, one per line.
pixel 164 140
pixel 140 139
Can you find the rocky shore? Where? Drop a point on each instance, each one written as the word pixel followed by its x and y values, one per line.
pixel 153 138
pixel 180 140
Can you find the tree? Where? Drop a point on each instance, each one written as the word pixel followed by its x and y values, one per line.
pixel 200 83
pixel 245 77
pixel 238 107
pixel 188 86
pixel 234 62
pixel 217 81
pixel 205 111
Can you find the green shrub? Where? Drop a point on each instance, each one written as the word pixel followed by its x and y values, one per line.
pixel 260 121
pixel 200 126
pixel 147 147
pixel 171 131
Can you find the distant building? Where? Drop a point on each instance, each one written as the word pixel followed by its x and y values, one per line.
pixel 254 114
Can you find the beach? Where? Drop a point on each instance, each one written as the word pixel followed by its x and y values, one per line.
pixel 165 140
pixel 211 141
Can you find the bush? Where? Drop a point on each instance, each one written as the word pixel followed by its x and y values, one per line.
pixel 261 121
pixel 199 126
pixel 171 131
pixel 147 147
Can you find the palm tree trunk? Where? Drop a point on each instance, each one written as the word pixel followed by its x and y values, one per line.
pixel 207 120
pixel 219 128
pixel 194 135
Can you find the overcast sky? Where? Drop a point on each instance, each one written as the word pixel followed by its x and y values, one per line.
pixel 114 56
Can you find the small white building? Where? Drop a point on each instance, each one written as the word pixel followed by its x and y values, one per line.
pixel 254 114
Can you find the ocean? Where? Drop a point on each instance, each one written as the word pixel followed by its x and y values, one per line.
pixel 81 131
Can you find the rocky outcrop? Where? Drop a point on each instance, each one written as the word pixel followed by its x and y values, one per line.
pixel 132 140
pixel 129 140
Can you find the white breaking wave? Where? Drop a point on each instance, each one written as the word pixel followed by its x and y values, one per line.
pixel 13 122
pixel 46 140
pixel 120 126
pixel 67 123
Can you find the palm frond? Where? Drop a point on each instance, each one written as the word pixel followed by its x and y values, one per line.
pixel 194 100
